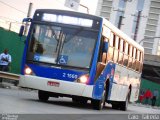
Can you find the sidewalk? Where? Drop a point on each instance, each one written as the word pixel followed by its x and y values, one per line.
pixel 146 106
pixel 8 85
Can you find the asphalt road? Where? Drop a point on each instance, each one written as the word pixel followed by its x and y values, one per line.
pixel 25 102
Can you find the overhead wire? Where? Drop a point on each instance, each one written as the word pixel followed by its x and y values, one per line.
pixel 12 7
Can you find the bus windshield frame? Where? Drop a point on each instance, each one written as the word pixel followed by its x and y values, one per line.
pixel 69 46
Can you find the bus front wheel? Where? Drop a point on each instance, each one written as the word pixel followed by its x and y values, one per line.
pixel 42 95
pixel 99 104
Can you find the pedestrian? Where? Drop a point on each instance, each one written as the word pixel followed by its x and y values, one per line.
pixel 5 60
pixel 148 96
pixel 141 96
pixel 155 97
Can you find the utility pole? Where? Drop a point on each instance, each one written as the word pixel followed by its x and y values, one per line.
pixel 137 25
pixel 120 22
pixel 10 25
pixel 28 15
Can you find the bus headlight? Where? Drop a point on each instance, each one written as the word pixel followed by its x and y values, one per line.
pixel 28 71
pixel 83 79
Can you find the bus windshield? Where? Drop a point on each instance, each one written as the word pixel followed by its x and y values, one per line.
pixel 62 45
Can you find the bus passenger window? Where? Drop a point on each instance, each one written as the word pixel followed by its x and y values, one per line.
pixel 138 60
pixel 104 57
pixel 134 59
pixel 111 49
pixel 116 49
pixel 120 57
pixel 110 54
pixel 141 62
pixel 125 59
pixel 130 56
pixel 111 40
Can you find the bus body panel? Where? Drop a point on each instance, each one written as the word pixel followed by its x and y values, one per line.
pixel 56 86
pixel 123 79
pixel 56 72
pixel 107 73
pixel 120 78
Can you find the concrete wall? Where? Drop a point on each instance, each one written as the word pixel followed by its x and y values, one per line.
pixel 12 41
pixel 145 84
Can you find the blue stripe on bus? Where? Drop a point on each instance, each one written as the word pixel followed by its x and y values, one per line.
pixel 99 84
pixel 25 52
pixel 56 73
pixel 95 58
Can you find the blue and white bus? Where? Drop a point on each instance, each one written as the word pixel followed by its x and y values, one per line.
pixel 80 56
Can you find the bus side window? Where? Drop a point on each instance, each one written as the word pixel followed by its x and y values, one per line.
pixel 130 56
pixel 105 53
pixel 102 58
pixel 134 59
pixel 141 62
pixel 116 49
pixel 138 60
pixel 120 57
pixel 125 58
pixel 110 50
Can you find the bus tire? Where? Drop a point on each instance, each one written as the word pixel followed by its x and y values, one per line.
pixel 43 96
pixel 99 104
pixel 124 105
pixel 115 106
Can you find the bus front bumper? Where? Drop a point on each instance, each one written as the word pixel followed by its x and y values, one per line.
pixel 56 86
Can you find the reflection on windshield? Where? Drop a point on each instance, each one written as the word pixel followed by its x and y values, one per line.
pixel 59 45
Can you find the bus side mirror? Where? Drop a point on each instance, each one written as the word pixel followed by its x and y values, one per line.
pixel 105 47
pixel 21 31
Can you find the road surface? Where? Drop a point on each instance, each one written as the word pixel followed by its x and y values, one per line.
pixel 20 101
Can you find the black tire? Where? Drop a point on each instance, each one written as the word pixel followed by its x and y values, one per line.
pixel 43 96
pixel 124 105
pixel 99 104
pixel 115 106
pixel 16 83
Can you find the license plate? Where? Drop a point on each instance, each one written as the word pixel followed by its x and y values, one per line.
pixel 51 83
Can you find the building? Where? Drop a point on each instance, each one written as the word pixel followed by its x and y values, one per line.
pixel 140 19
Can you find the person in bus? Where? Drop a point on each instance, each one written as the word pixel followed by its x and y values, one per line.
pixel 5 60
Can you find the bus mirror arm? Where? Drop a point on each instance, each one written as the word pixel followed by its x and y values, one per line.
pixel 27 20
pixel 21 31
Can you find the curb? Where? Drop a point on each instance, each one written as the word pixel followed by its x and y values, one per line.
pixel 146 106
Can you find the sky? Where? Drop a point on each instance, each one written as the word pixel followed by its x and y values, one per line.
pixel 13 11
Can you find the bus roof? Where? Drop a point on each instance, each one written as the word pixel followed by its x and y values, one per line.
pixel 69 12
pixel 122 34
